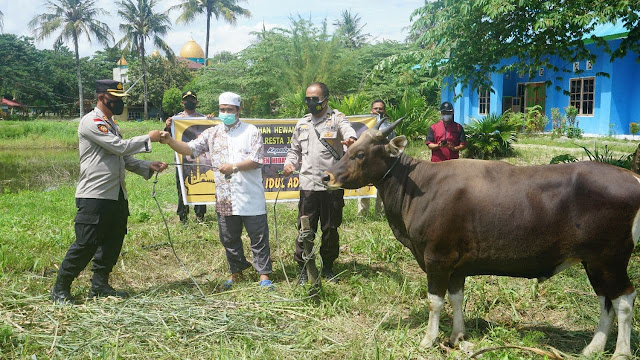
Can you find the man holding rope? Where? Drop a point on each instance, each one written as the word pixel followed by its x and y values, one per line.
pixel 237 155
pixel 316 145
pixel 101 195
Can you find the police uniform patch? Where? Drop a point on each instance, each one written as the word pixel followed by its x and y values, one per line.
pixel 103 128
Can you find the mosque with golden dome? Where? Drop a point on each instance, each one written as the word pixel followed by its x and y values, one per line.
pixel 193 54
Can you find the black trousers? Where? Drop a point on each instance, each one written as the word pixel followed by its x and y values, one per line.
pixel 183 210
pixel 325 206
pixel 100 229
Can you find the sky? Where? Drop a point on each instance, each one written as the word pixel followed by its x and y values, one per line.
pixel 384 19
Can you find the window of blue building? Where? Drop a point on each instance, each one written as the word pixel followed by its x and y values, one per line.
pixel 582 95
pixel 484 97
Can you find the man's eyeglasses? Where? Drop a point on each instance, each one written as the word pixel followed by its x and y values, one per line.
pixel 313 99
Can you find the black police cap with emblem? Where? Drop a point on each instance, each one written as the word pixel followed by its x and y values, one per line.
pixel 189 93
pixel 112 87
pixel 446 107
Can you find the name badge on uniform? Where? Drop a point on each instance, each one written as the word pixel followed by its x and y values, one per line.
pixel 328 134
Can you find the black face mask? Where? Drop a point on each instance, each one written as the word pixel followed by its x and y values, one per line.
pixel 315 107
pixel 190 105
pixel 115 106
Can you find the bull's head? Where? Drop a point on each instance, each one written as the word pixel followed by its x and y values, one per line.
pixel 367 160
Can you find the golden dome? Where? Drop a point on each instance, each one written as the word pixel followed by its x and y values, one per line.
pixel 122 61
pixel 191 50
pixel 155 53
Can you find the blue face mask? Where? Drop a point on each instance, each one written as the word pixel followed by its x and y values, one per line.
pixel 227 119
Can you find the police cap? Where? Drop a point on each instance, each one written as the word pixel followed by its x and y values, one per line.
pixel 112 87
pixel 189 93
pixel 446 107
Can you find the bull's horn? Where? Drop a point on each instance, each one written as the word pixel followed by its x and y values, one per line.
pixel 377 127
pixel 388 130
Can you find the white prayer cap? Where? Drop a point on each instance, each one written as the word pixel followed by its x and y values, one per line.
pixel 229 98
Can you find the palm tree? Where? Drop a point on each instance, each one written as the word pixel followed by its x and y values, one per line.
pixel 1 23
pixel 142 23
pixel 229 10
pixel 75 18
pixel 350 29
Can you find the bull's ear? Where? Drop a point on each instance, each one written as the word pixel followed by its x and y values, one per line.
pixel 396 146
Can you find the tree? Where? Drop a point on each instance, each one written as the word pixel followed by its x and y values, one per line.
pixel 162 75
pixel 475 35
pixel 350 30
pixel 76 18
pixel 229 10
pixel 172 101
pixel 1 23
pixel 142 23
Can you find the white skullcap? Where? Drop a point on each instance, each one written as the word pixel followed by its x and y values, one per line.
pixel 229 98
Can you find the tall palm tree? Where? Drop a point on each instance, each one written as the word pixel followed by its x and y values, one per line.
pixel 229 10
pixel 142 23
pixel 75 18
pixel 350 29
pixel 1 23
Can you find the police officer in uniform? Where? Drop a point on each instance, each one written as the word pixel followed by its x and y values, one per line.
pixel 101 196
pixel 189 102
pixel 316 145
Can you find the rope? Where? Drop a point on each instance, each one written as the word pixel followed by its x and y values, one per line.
pixel 166 226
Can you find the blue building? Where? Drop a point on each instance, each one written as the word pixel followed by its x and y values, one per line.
pixel 606 104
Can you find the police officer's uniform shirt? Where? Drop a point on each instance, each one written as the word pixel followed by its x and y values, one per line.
pixel 308 153
pixel 104 157
pixel 243 192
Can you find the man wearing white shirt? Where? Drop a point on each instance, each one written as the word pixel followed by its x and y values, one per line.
pixel 236 152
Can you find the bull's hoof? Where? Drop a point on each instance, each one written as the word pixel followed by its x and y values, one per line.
pixel 454 339
pixel 427 341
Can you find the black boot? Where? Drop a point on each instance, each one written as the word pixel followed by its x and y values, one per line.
pixel 302 275
pixel 100 287
pixel 61 292
pixel 327 273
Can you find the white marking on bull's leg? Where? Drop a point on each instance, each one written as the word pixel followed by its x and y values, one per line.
pixel 435 306
pixel 458 331
pixel 623 307
pixel 602 331
pixel 635 229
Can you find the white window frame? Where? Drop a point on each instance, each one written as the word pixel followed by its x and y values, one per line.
pixel 580 100
pixel 484 94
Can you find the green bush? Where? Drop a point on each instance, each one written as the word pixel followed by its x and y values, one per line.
pixel 356 104
pixel 536 121
pixel 172 101
pixel 292 105
pixel 606 156
pixel 418 116
pixel 563 159
pixel 490 137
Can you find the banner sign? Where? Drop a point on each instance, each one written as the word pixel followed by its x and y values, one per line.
pixel 196 176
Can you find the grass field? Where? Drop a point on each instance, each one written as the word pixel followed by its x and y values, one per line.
pixel 378 310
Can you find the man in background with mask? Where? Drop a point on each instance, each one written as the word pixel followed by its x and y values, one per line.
pixel 446 138
pixel 189 102
pixel 378 108
pixel 101 195
pixel 316 145
pixel 237 154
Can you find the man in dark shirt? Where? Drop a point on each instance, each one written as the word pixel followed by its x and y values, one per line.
pixel 189 102
pixel 446 138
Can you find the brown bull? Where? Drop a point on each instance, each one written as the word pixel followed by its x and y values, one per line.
pixel 470 217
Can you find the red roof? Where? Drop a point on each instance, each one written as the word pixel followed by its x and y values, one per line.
pixel 11 103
